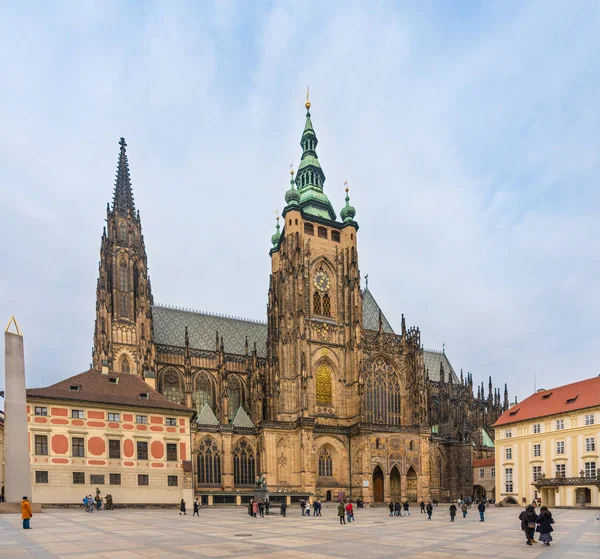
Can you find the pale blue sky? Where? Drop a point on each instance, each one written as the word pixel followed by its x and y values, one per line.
pixel 468 133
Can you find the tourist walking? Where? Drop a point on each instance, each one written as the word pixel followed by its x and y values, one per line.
pixel 182 507
pixel 254 508
pixel 342 513
pixel 429 510
pixel 98 501
pixel 350 512
pixel 452 512
pixel 481 509
pixel 406 508
pixel 26 513
pixel 422 507
pixel 196 507
pixel 392 508
pixel 315 507
pixel 528 519
pixel 397 508
pixel 267 507
pixel 544 522
pixel 109 502
pixel 250 507
pixel 464 508
pixel 303 506
pixel 283 508
pixel 261 508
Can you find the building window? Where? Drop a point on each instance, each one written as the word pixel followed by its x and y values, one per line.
pixel 335 236
pixel 508 434
pixel 325 463
pixel 316 303
pixel 143 479
pixel 123 276
pixel 481 473
pixel 172 481
pixel 537 470
pixel 114 449
pixel 589 419
pixel 560 470
pixel 205 391
pixel 172 452
pixel 41 445
pixel 142 450
pixel 243 464
pixel 493 472
pixel 326 305
pixel 537 428
pixel 508 475
pixel 323 384
pixel 170 386
pixel 41 477
pixel 537 450
pixel 309 229
pixel 560 447
pixel 114 417
pixel 96 479
pixel 125 367
pixel 78 447
pixel 209 462
pixel 560 424
pixel 40 411
pixel 114 479
pixel 322 233
pixel 235 395
pixel 382 392
pixel 124 304
pixel 589 469
pixel 590 444
pixel 78 478
pixel 411 445
pixel 77 414
pixel 171 421
pixel 141 419
pixel 509 453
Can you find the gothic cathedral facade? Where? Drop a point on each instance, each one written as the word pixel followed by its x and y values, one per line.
pixel 325 398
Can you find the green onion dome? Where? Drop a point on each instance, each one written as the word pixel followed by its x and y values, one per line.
pixel 277 235
pixel 348 212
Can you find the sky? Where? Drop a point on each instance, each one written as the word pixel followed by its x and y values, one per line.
pixel 468 132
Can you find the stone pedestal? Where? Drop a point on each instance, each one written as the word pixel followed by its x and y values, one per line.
pixel 261 493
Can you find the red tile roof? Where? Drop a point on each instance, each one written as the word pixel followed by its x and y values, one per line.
pixel 482 462
pixel 570 397
pixel 96 388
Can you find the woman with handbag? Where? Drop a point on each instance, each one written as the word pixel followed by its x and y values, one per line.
pixel 544 522
pixel 528 519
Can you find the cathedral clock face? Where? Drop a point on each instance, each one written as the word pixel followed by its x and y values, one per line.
pixel 321 281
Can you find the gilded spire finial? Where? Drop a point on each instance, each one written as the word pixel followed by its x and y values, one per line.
pixel 292 170
pixel 346 185
pixel 307 104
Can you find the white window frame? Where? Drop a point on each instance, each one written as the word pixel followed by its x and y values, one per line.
pixel 560 470
pixel 114 417
pixel 537 472
pixel 537 428
pixel 560 447
pixel 508 480
pixel 508 433
pixel 481 473
pixel 508 453
pixel 560 424
pixel 590 469
pixel 537 450
pixel 590 419
pixel 493 472
pixel 590 444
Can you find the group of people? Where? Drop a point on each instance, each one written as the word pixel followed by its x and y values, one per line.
pixel 397 508
pixel 305 507
pixel 532 522
pixel 90 503
pixel 346 510
pixel 260 508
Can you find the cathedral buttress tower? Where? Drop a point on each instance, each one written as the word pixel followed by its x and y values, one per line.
pixel 123 328
pixel 314 303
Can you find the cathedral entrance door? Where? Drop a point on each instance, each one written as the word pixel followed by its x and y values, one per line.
pixel 411 485
pixel 328 496
pixel 378 485
pixel 395 484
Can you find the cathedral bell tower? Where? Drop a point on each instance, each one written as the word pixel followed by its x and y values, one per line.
pixel 123 327
pixel 314 302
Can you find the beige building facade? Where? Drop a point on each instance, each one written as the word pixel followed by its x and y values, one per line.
pixel 2 453
pixel 110 432
pixel 548 447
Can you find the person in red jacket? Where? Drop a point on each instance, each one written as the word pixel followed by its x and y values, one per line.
pixel 350 512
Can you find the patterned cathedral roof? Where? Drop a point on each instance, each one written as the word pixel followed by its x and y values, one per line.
pixel 371 312
pixel 432 364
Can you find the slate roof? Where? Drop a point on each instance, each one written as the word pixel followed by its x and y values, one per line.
pixel 241 419
pixel 95 387
pixel 170 323
pixel 371 314
pixel 563 399
pixel 432 364
pixel 207 417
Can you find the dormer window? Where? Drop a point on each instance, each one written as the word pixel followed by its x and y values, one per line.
pixel 113 380
pixel 515 412
pixel 74 387
pixel 572 400
pixel 546 396
pixel 144 395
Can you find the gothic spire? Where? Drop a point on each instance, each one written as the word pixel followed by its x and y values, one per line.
pixel 123 195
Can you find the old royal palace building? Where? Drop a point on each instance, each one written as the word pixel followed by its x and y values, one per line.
pixel 323 398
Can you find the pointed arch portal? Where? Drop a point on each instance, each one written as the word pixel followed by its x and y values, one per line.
pixel 378 485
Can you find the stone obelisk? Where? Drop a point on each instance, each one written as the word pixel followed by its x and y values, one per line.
pixel 17 479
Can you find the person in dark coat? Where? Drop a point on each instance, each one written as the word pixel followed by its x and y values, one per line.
pixel 391 508
pixel 261 508
pixel 342 513
pixel 283 508
pixel 422 507
pixel 397 509
pixel 182 507
pixel 544 522
pixel 267 507
pixel 429 509
pixel 250 507
pixel 452 512
pixel 528 519
pixel 481 509
pixel 196 507
pixel 406 508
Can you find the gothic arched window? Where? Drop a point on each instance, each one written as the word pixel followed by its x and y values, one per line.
pixel 170 386
pixel 244 464
pixel 123 276
pixel 205 391
pixel 125 367
pixel 122 232
pixel 235 395
pixel 326 305
pixel 325 463
pixel 208 462
pixel 316 303
pixel 382 392
pixel 323 384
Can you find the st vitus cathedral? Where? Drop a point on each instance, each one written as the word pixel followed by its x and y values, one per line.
pixel 325 398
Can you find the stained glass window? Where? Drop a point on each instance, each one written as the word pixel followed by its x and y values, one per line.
pixel 323 384
pixel 209 462
pixel 125 368
pixel 170 386
pixel 244 470
pixel 204 393
pixel 325 463
pixel 382 392
pixel 235 395
pixel 316 303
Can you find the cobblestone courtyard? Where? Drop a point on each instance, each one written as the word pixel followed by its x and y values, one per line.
pixel 133 534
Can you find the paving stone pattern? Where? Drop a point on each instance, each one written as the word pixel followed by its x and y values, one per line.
pixel 134 534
